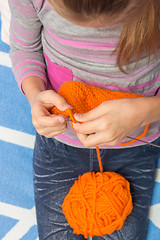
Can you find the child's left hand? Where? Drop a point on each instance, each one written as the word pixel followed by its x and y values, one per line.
pixel 110 122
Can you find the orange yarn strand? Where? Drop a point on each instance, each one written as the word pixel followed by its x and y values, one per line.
pixel 99 159
pixel 138 137
pixel 70 113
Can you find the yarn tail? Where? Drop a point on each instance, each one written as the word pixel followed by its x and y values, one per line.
pixel 122 145
pixel 70 113
pixel 138 137
pixel 99 159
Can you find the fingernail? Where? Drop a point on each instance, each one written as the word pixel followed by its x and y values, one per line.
pixel 77 116
pixel 61 119
pixel 65 107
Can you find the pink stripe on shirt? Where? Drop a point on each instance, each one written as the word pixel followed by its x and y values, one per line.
pixel 32 8
pixel 24 44
pixel 30 69
pixel 79 44
pixel 28 62
pixel 29 75
pixel 125 89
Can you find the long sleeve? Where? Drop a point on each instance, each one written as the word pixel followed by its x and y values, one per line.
pixel 25 36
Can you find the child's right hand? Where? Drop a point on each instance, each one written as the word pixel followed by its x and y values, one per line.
pixel 47 124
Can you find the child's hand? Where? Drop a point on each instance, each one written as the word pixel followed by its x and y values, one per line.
pixel 110 122
pixel 47 124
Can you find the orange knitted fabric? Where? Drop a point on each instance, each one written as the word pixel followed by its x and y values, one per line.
pixel 97 203
pixel 83 98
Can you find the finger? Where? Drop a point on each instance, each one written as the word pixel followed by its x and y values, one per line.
pixel 49 121
pixel 51 97
pixel 90 127
pixel 95 113
pixel 51 132
pixel 46 129
pixel 109 144
pixel 97 139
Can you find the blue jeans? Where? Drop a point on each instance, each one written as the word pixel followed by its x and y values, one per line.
pixel 56 166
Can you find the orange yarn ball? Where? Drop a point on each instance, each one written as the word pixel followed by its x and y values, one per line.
pixel 98 203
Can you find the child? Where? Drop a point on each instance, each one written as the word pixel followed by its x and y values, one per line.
pixel 112 44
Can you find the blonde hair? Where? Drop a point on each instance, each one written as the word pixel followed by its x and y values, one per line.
pixel 141 30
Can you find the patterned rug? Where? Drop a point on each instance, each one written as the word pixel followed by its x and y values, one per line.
pixel 17 135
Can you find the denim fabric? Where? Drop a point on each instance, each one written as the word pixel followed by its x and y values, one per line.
pixel 57 166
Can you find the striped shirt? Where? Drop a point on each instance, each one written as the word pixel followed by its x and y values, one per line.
pixel 46 45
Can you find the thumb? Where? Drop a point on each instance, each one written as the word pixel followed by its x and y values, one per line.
pixel 93 114
pixel 85 117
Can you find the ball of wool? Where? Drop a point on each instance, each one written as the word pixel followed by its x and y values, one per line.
pixel 98 203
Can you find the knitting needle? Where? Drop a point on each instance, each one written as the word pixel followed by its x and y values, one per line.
pixel 136 139
pixel 69 120
pixel 152 144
